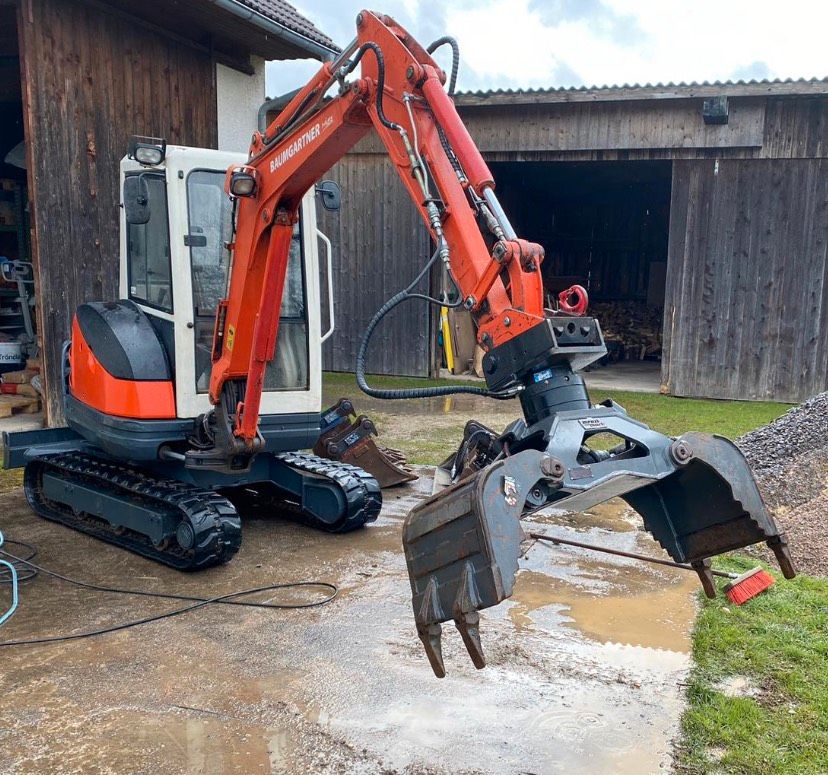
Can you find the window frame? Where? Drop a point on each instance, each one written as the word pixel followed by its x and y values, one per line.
pixel 162 176
pixel 294 320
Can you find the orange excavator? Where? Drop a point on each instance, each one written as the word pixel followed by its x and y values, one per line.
pixel 166 484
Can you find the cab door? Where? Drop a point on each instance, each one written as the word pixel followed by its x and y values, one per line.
pixel 201 261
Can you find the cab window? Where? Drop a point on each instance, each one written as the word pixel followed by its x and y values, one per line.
pixel 210 227
pixel 148 251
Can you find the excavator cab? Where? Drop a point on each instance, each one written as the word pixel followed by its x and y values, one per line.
pixel 174 268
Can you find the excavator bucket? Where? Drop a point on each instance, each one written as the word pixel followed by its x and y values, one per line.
pixel 696 495
pixel 350 439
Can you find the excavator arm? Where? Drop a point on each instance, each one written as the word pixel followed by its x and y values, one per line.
pixel 400 94
pixel 696 493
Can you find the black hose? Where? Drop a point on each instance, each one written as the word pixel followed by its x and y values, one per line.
pixel 380 80
pixel 455 58
pixel 403 393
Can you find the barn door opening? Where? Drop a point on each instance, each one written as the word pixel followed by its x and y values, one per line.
pixel 18 336
pixel 605 225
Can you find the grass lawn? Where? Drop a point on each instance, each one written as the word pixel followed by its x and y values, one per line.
pixel 774 652
pixel 432 440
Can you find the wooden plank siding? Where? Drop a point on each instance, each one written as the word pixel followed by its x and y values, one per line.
pixel 92 79
pixel 379 245
pixel 746 313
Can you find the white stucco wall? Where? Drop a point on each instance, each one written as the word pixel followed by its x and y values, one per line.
pixel 238 97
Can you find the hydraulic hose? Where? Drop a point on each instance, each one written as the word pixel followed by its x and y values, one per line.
pixel 455 58
pixel 380 80
pixel 403 393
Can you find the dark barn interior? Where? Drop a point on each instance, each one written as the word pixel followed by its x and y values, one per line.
pixel 605 225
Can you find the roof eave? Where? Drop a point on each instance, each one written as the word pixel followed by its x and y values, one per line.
pixel 314 49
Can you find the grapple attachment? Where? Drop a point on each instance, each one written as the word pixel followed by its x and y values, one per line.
pixel 350 439
pixel 696 494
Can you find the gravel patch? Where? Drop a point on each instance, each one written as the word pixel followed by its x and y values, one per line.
pixel 790 460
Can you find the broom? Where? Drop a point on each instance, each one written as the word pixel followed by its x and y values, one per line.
pixel 740 588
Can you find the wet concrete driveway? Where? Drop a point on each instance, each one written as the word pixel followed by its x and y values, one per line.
pixel 585 661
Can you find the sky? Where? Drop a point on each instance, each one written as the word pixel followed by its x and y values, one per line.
pixel 549 43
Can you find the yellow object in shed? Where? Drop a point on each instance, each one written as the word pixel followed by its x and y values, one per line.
pixel 444 327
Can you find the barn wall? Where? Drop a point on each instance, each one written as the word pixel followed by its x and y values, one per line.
pixel 746 314
pixel 379 244
pixel 90 81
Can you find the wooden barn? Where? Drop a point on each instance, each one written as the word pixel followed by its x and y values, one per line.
pixel 696 215
pixel 77 79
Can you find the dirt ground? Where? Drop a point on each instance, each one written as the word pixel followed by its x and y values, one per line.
pixel 586 661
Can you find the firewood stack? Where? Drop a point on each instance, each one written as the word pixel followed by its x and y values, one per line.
pixel 632 329
pixel 20 390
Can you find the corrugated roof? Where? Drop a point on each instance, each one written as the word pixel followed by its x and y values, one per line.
pixel 646 91
pixel 287 16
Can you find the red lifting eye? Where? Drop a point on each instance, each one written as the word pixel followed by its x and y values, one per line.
pixel 574 300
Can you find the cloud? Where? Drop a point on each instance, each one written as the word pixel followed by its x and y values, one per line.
pixel 543 43
pixel 754 71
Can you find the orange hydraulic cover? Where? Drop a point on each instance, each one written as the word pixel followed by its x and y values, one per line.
pixel 92 384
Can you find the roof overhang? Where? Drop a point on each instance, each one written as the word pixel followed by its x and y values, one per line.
pixel 229 28
pixel 669 91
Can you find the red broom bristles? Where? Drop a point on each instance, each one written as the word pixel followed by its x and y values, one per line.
pixel 748 585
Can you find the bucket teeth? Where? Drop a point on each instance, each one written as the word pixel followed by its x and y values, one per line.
pixel 468 625
pixel 703 569
pixel 431 636
pixel 779 545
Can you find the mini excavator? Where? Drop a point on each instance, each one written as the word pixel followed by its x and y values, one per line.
pixel 196 391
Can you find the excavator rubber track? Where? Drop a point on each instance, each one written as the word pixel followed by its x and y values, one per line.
pixel 194 528
pixel 361 490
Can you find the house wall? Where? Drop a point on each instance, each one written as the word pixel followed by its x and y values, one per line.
pixel 90 80
pixel 238 98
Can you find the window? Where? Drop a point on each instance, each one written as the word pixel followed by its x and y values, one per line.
pixel 148 251
pixel 210 225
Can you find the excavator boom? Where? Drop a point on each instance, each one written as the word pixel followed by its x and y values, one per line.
pixel 696 493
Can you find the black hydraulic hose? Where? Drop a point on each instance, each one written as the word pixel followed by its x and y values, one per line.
pixel 403 393
pixel 380 80
pixel 455 58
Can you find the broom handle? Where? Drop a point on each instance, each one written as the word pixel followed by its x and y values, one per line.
pixel 630 555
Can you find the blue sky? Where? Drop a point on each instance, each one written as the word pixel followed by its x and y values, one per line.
pixel 542 43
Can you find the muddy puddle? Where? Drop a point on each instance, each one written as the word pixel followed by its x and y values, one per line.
pixel 585 661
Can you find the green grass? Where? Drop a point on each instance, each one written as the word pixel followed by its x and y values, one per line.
pixel 779 643
pixel 434 440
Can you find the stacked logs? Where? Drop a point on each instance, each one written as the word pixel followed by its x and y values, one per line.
pixel 632 329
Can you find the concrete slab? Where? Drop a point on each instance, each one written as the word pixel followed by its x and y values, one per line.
pixel 585 661
pixel 635 376
pixel 20 422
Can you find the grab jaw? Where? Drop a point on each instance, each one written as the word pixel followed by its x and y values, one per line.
pixel 696 495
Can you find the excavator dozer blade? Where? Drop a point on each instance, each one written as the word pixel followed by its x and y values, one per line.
pixel 353 442
pixel 696 495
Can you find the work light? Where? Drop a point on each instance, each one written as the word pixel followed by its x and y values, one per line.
pixel 149 151
pixel 242 181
